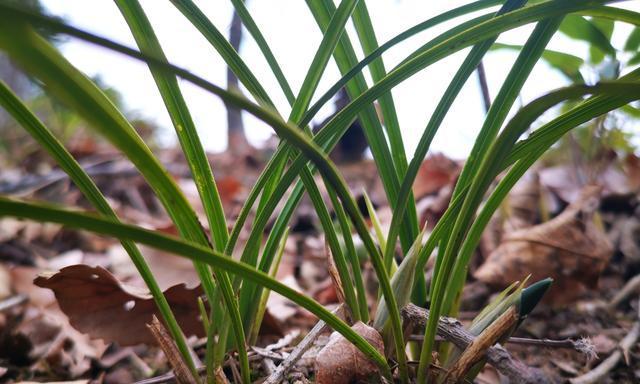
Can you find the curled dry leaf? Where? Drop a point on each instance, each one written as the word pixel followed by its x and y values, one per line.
pixel 523 202
pixel 40 334
pixel 340 362
pixel 570 248
pixel 433 187
pixel 103 307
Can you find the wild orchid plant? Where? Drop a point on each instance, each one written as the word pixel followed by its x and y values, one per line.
pixel 234 288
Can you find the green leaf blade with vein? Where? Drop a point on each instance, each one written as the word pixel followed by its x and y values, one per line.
pixel 253 29
pixel 569 65
pixel 345 58
pixel 181 118
pixel 389 83
pixel 579 28
pixel 196 158
pixel 190 250
pixel 534 48
pixel 65 160
pixel 498 152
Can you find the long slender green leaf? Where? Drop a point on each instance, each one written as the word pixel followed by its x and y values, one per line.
pixel 528 57
pixel 569 65
pixel 253 29
pixel 224 48
pixel 466 69
pixel 190 250
pixel 613 13
pixel 491 165
pixel 196 158
pixel 345 58
pixel 50 143
pixel 369 43
pixel 181 117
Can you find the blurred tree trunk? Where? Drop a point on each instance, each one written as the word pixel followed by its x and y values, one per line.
pixel 237 138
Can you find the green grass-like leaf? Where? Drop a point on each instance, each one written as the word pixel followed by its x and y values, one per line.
pixel 301 154
pixel 12 104
pixel 190 250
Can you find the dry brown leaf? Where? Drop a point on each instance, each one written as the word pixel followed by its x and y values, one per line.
pixel 103 307
pixel 570 248
pixel 326 293
pixel 44 335
pixel 631 166
pixel 334 275
pixel 523 202
pixel 435 172
pixel 432 207
pixel 341 362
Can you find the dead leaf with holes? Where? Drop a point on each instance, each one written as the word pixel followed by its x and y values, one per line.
pixel 39 334
pixel 340 362
pixel 100 305
pixel 571 248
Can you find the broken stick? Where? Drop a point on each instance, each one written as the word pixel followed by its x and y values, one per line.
pixel 452 330
pixel 299 350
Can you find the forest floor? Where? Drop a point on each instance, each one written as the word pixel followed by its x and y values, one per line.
pixel 549 226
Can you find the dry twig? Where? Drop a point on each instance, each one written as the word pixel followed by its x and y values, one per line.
pixel 582 345
pixel 453 331
pixel 299 350
pixel 12 301
pixel 478 347
pixel 168 346
pixel 629 288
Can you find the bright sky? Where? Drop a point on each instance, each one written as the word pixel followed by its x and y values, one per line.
pixel 294 37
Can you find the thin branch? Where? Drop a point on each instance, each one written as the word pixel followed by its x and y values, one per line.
pixel 168 346
pixel 12 301
pixel 582 345
pixel 299 350
pixel 629 288
pixel 478 347
pixel 452 330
